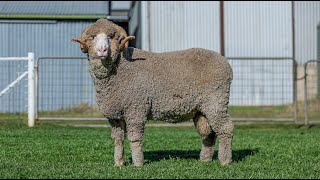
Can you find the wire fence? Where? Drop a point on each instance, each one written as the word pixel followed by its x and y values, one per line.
pixel 264 92
pixel 65 89
pixel 262 89
pixel 311 92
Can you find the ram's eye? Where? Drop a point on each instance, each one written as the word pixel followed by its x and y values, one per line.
pixel 111 36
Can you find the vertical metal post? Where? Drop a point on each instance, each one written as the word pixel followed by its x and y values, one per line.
pixel 31 97
pixel 305 94
pixel 36 90
pixel 294 64
pixel 222 28
pixel 110 8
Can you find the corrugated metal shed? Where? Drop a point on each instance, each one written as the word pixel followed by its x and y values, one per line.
pixel 178 25
pixel 46 28
pixel 307 17
pixel 44 38
pixel 54 7
pixel 258 29
pixel 252 29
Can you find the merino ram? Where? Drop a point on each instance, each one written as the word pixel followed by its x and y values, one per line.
pixel 133 86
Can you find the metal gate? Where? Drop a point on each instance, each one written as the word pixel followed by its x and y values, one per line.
pixel 311 93
pixel 17 96
pixel 262 89
pixel 64 90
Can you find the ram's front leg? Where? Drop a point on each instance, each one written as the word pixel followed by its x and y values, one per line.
pixel 135 130
pixel 118 132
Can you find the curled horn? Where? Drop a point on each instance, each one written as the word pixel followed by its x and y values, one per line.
pixel 83 45
pixel 79 40
pixel 123 42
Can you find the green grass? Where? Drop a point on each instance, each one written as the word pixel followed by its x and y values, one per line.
pixel 260 150
pixel 313 108
pixel 9 116
pixel 81 110
pixel 261 111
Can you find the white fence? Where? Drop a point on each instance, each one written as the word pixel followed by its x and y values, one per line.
pixel 31 84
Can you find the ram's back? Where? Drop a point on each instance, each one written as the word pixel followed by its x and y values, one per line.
pixel 175 83
pixel 191 68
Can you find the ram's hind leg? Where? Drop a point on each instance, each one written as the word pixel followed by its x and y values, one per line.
pixel 118 132
pixel 221 124
pixel 208 137
pixel 225 134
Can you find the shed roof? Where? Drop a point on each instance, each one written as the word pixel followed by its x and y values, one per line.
pixel 54 9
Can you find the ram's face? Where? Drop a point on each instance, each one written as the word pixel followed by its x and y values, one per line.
pixel 100 45
pixel 103 40
pixel 103 44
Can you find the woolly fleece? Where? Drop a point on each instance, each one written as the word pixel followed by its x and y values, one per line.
pixel 134 86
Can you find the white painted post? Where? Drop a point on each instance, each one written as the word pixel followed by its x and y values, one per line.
pixel 31 86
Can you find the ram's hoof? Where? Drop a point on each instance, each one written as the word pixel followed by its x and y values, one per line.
pixel 122 163
pixel 226 163
pixel 138 164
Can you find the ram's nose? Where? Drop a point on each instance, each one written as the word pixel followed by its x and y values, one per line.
pixel 102 50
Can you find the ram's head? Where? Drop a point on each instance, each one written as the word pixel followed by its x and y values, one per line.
pixel 103 40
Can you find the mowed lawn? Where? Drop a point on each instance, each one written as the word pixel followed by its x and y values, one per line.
pixel 260 150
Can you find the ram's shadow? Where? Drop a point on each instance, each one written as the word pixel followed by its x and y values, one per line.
pixel 237 155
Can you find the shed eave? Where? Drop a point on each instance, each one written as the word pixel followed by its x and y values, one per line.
pixel 52 16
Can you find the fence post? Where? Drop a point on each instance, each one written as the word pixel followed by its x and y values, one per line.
pixel 305 94
pixel 31 97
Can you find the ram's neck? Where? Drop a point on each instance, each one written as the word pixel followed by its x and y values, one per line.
pixel 102 69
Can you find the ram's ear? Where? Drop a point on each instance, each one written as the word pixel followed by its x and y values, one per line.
pixel 122 40
pixel 83 45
